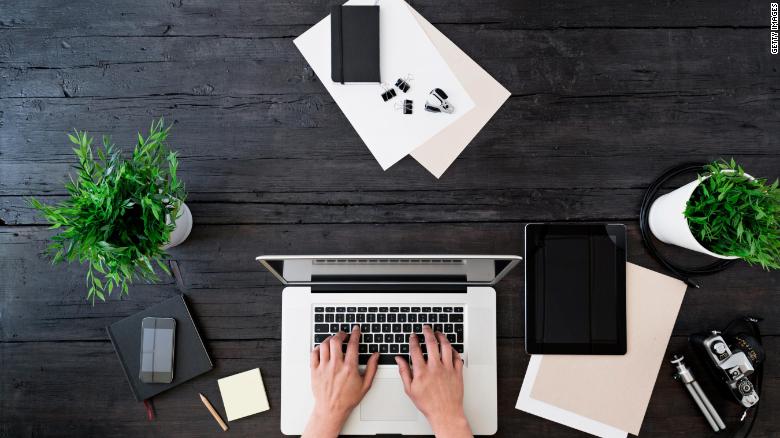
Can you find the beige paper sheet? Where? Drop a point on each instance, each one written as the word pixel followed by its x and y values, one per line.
pixel 616 390
pixel 438 153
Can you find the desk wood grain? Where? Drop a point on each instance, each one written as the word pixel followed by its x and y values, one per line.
pixel 605 96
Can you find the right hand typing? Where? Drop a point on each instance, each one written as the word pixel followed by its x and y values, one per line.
pixel 436 386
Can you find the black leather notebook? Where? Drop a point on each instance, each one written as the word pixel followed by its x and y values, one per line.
pixel 190 356
pixel 354 44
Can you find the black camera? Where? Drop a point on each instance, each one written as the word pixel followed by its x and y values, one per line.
pixel 731 359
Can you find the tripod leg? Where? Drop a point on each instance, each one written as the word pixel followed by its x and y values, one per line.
pixel 703 409
pixel 708 405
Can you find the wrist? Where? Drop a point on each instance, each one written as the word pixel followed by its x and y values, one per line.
pixel 325 423
pixel 451 425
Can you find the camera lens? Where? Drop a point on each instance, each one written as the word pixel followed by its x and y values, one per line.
pixel 745 387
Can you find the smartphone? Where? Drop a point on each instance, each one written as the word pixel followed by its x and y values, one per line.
pixel 157 347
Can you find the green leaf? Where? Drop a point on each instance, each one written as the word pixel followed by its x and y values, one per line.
pixel 163 266
pixel 113 217
pixel 732 215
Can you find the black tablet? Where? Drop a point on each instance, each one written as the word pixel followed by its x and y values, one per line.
pixel 575 289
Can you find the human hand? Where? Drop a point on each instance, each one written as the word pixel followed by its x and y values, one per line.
pixel 436 386
pixel 337 384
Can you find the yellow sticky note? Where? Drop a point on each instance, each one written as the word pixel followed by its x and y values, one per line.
pixel 243 394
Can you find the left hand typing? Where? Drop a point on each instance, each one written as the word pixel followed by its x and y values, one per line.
pixel 337 383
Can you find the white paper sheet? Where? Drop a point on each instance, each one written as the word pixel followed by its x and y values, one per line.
pixel 404 49
pixel 556 414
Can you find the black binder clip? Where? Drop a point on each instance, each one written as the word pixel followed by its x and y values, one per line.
pixel 403 83
pixel 437 103
pixel 388 94
pixel 405 107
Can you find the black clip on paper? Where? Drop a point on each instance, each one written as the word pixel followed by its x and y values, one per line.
pixel 432 109
pixel 403 83
pixel 388 94
pixel 405 107
pixel 439 103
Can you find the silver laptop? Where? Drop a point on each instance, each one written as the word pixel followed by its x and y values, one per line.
pixel 389 296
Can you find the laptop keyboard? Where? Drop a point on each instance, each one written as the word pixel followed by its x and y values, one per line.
pixel 387 329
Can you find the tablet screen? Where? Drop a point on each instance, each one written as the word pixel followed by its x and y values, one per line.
pixel 575 290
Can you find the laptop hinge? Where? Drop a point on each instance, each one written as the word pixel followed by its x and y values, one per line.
pixel 394 288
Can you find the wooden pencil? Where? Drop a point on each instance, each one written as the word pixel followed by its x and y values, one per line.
pixel 213 412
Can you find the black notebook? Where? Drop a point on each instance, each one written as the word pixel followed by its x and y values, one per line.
pixel 354 44
pixel 190 357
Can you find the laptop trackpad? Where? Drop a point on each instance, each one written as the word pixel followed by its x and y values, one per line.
pixel 386 401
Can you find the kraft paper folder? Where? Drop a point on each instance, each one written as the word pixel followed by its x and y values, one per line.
pixel 608 395
pixel 438 153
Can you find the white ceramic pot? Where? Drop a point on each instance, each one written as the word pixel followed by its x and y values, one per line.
pixel 668 222
pixel 183 226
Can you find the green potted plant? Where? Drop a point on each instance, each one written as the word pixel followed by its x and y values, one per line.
pixel 121 214
pixel 725 213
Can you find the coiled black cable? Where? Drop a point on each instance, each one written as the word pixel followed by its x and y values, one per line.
pixel 684 273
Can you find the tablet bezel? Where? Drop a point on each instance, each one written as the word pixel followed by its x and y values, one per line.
pixel 618 234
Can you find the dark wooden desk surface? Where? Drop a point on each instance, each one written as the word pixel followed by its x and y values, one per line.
pixel 605 95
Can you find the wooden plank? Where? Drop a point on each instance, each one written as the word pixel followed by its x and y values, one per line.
pixel 390 206
pixel 103 404
pixel 672 62
pixel 400 206
pixel 311 127
pixel 26 178
pixel 237 299
pixel 252 19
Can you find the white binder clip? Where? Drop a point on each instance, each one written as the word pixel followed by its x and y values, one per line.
pixel 437 102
